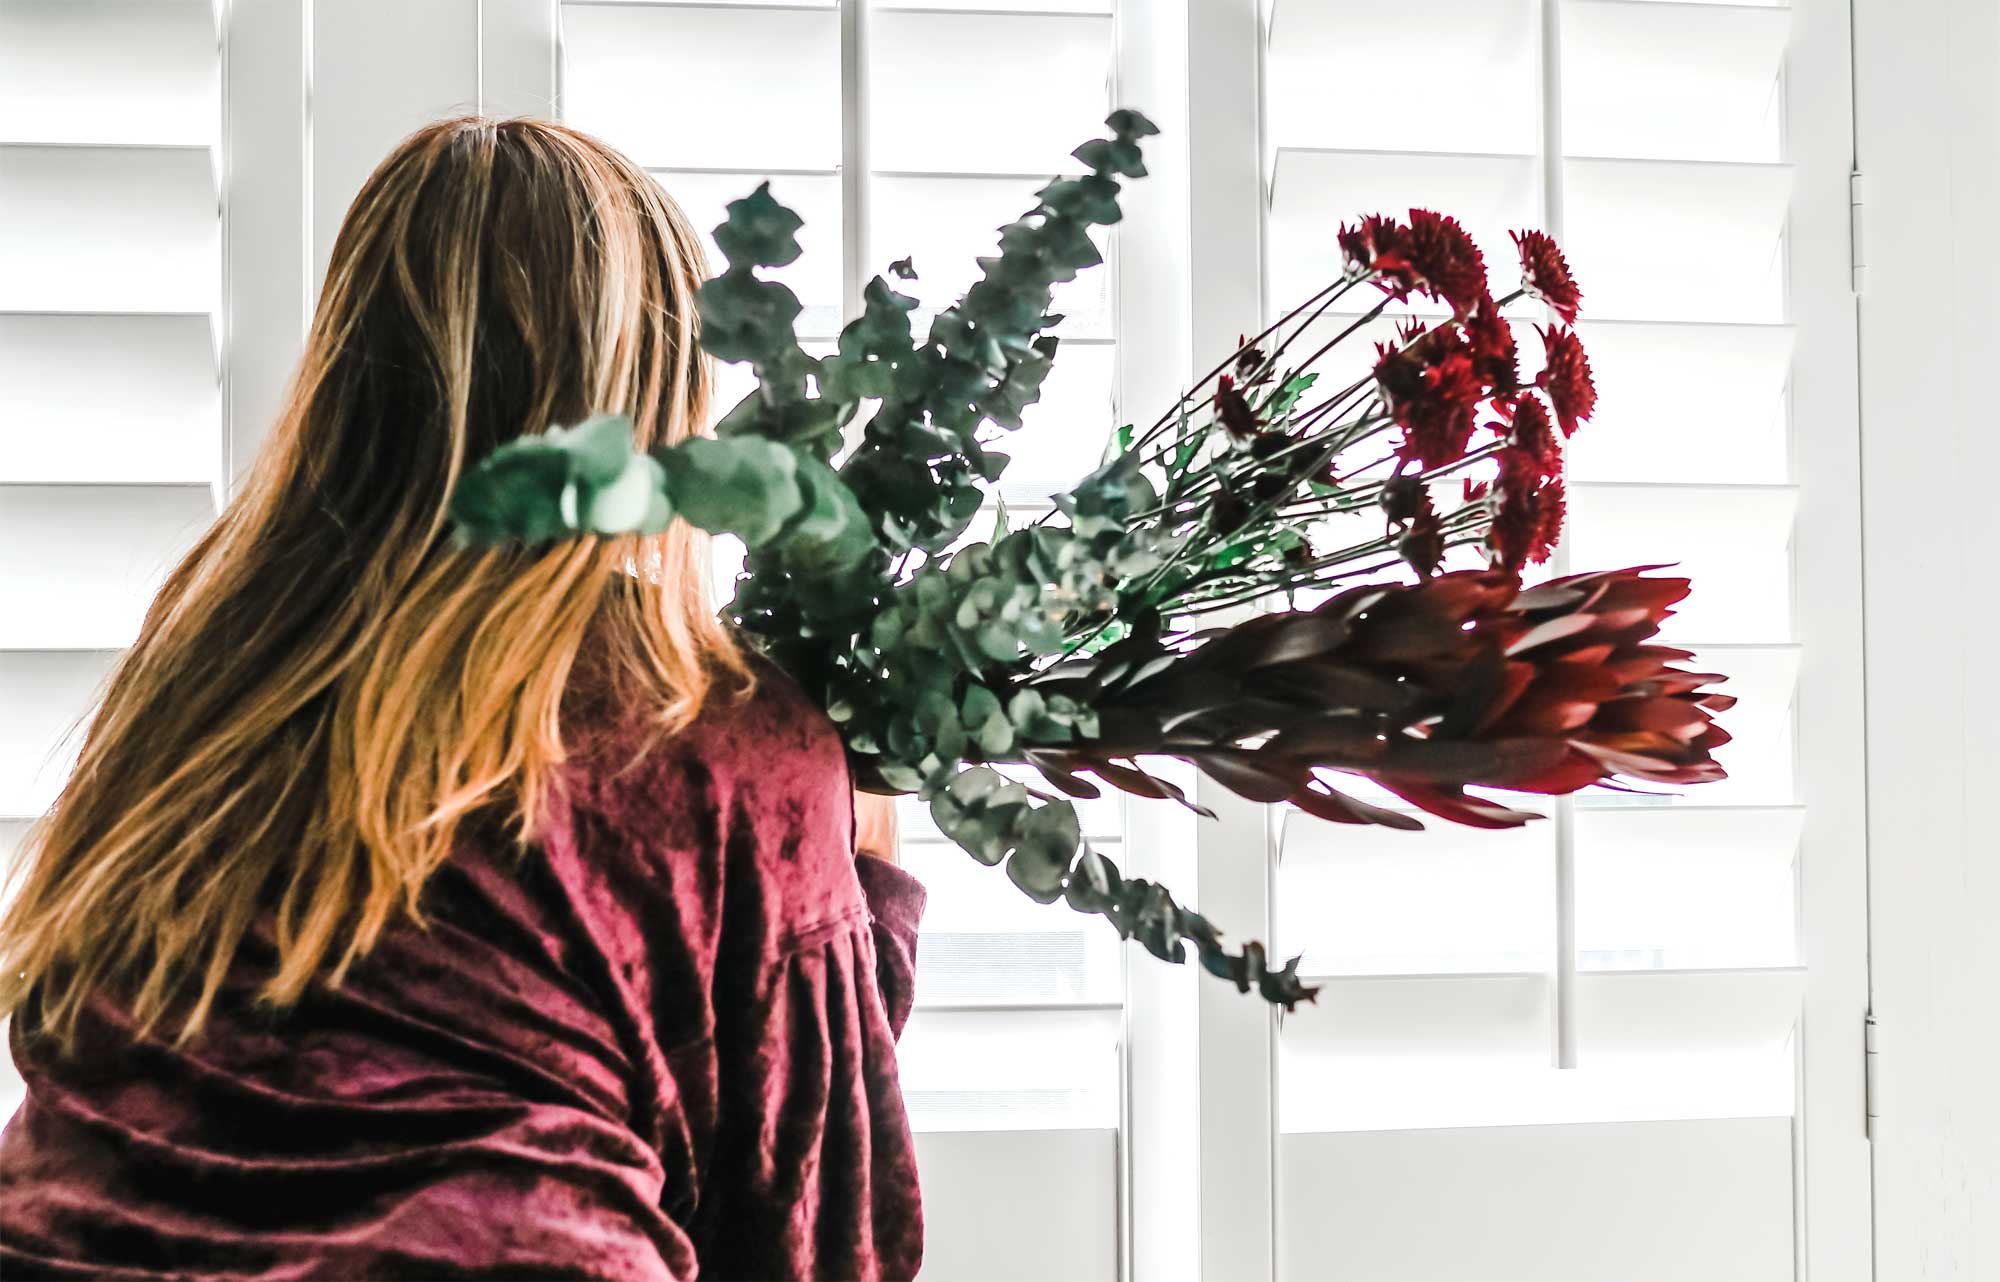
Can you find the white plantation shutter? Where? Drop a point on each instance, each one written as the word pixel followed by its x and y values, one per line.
pixel 110 410
pixel 1600 1013
pixel 904 131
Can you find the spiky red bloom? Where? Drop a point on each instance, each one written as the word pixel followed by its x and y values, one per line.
pixel 1431 255
pixel 1492 341
pixel 1432 389
pixel 1234 411
pixel 1545 274
pixel 1377 244
pixel 1534 436
pixel 1447 263
pixel 1462 680
pixel 1566 377
pixel 1527 521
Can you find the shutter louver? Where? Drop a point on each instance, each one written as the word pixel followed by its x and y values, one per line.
pixel 110 273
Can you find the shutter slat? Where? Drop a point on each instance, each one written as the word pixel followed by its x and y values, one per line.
pixel 653 80
pixel 932 76
pixel 1339 75
pixel 1632 227
pixel 1685 402
pixel 1362 900
pixel 1694 81
pixel 993 1070
pixel 46 693
pixel 108 398
pixel 82 562
pixel 1733 541
pixel 1393 1052
pixel 1689 887
pixel 109 71
pixel 108 229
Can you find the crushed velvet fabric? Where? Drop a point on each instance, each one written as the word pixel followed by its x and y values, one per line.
pixel 660 1043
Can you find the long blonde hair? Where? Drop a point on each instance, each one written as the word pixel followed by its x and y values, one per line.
pixel 326 687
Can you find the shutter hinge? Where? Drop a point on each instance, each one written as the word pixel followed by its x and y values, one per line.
pixel 1856 259
pixel 1870 1057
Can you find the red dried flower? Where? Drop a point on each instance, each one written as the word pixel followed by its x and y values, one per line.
pixel 1528 520
pixel 1492 340
pixel 1431 388
pixel 1447 263
pixel 1422 543
pixel 1378 244
pixel 1566 377
pixel 1234 411
pixel 1431 256
pixel 1462 680
pixel 1534 436
pixel 1545 274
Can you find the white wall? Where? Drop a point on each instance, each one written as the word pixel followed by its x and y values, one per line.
pixel 1927 76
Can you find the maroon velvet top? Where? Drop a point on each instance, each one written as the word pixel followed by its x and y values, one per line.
pixel 659 1045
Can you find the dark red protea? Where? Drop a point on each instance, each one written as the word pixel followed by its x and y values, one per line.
pixel 1545 274
pixel 1431 388
pixel 1462 680
pixel 1566 377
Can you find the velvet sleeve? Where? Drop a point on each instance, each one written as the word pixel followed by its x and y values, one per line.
pixel 896 900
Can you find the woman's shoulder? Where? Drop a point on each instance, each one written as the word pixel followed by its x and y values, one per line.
pixel 755 729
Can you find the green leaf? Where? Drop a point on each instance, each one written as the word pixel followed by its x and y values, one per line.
pixel 831 531
pixel 515 493
pixel 599 447
pixel 759 232
pixel 742 485
pixel 635 502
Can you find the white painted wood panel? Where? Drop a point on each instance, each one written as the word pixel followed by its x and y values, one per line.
pixel 1006 1206
pixel 1706 1201
pixel 1927 143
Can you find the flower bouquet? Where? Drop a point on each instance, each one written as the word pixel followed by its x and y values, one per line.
pixel 1112 631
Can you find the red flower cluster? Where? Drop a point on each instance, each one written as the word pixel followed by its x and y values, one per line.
pixel 1433 381
pixel 1431 256
pixel 1528 516
pixel 1545 274
pixel 1431 387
